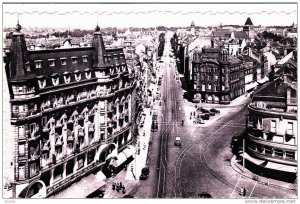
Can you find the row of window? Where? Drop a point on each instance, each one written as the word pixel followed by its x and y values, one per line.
pixel 23 89
pixel 273 124
pixel 210 87
pixel 269 151
pixel 66 77
pixel 63 61
pixel 209 78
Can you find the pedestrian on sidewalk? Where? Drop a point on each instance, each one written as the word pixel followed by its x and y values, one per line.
pixel 118 187
pixel 114 186
pixel 124 190
pixel 121 185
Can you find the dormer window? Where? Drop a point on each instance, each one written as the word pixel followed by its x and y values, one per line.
pixel 67 77
pixel 88 73
pixel 84 58
pixel 27 66
pixel 55 79
pixel 51 62
pixel 38 64
pixel 42 81
pixel 77 75
pixel 74 60
pixel 63 61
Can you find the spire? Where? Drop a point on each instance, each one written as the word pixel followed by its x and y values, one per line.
pixel 20 66
pixel 97 29
pixel 18 27
pixel 99 47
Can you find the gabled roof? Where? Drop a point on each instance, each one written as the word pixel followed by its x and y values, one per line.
pixel 248 21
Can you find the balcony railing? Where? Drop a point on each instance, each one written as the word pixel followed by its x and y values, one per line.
pixel 45 162
pixel 289 133
pixel 91 127
pixel 34 157
pixel 81 132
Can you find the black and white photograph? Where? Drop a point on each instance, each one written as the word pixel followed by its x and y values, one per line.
pixel 150 100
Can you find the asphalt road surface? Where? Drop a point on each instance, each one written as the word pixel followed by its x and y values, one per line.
pixel 202 163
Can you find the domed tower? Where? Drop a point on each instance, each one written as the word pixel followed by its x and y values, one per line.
pixel 99 48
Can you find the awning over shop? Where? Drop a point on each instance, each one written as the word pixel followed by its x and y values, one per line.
pixel 83 188
pixel 129 151
pixel 281 167
pixel 255 161
pixel 270 165
pixel 118 160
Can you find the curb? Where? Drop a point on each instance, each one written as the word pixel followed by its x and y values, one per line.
pixel 238 170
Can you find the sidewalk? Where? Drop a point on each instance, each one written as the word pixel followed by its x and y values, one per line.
pixel 130 176
pixel 262 180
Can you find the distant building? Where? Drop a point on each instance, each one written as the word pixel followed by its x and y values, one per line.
pixel 249 28
pixel 216 76
pixel 271 142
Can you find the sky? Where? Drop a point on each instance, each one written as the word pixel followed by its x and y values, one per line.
pixel 84 16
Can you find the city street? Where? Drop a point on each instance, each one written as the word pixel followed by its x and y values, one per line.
pixel 202 162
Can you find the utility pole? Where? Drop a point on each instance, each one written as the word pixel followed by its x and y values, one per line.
pixel 243 155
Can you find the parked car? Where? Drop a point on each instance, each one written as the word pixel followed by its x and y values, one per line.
pixel 199 121
pixel 203 110
pixel 205 116
pixel 204 195
pixel 214 110
pixel 212 113
pixel 128 196
pixel 177 141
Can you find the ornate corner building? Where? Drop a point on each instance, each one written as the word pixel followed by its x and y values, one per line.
pixel 71 109
pixel 271 141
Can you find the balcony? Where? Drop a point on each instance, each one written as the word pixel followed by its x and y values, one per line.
pixel 46 129
pixel 34 157
pixel 92 94
pixel 82 146
pixel 289 133
pixel 45 162
pixel 81 132
pixel 91 127
pixel 80 117
pixel 273 131
pixel 121 116
pixel 58 124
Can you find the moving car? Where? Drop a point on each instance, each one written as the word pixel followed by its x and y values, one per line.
pixel 145 173
pixel 177 141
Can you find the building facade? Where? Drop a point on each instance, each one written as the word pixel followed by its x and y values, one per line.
pixel 271 141
pixel 216 76
pixel 71 110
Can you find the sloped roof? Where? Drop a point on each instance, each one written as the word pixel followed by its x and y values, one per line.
pixel 248 21
pixel 240 34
